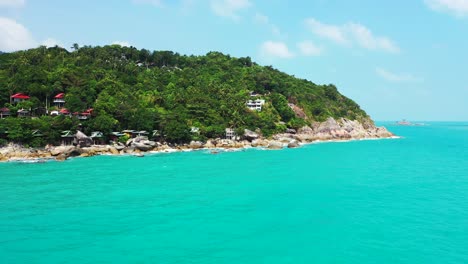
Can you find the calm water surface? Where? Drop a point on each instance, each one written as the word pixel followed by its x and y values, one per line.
pixel 384 201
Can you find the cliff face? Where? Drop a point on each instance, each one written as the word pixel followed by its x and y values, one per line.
pixel 343 129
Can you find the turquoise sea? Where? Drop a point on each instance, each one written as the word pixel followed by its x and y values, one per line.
pixel 379 201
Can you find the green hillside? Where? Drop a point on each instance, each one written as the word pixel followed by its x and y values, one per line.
pixel 136 89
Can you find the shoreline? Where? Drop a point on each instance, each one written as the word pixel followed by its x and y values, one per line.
pixel 214 150
pixel 326 132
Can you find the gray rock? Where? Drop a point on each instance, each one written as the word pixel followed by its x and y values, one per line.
pixel 195 145
pixel 149 143
pixel 259 143
pixel 129 150
pixel 129 142
pixel 59 150
pixel 119 146
pixel 305 130
pixel 328 125
pixel 141 146
pixel 250 135
pixel 114 150
pixel 82 140
pixel 293 144
pixel 275 145
pixel 209 144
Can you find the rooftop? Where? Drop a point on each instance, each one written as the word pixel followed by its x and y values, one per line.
pixel 20 96
pixel 60 96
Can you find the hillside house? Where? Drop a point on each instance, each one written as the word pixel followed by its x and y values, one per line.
pixel 64 111
pixel 195 130
pixel 67 138
pixel 97 137
pixel 255 105
pixel 115 136
pixel 59 100
pixel 4 112
pixel 231 134
pixel 23 113
pixel 129 133
pixel 19 97
pixel 84 115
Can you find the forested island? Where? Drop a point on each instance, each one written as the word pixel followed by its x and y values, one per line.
pixel 174 98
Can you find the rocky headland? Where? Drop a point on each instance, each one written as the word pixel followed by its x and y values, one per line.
pixel 330 130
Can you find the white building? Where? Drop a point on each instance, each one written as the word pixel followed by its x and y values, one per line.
pixel 231 134
pixel 255 104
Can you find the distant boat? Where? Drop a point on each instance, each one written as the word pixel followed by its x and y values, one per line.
pixel 407 123
pixel 404 123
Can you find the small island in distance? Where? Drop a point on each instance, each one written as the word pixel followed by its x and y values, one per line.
pixel 126 100
pixel 405 122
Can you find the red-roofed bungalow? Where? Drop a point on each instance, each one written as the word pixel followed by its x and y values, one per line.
pixel 19 97
pixel 64 111
pixel 59 100
pixel 4 112
pixel 85 115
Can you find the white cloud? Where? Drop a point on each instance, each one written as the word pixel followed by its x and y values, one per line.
pixel 122 43
pixel 364 37
pixel 14 36
pixel 396 77
pixel 229 8
pixel 332 32
pixel 308 48
pixel 12 3
pixel 351 34
pixel 276 50
pixel 456 7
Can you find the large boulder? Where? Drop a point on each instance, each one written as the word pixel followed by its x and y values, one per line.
pixel 73 152
pixel 119 146
pixel 210 144
pixel 225 143
pixel 275 145
pixel 328 126
pixel 82 140
pixel 140 143
pixel 305 130
pixel 250 135
pixel 129 142
pixel 114 151
pixel 55 151
pixel 259 143
pixel 142 146
pixel 196 145
pixel 149 143
pixel 382 132
pixel 293 144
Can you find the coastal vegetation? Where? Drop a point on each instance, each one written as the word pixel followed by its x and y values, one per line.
pixel 162 91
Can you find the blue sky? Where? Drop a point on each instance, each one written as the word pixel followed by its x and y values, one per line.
pixel 397 59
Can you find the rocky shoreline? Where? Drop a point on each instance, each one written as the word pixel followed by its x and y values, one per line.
pixel 330 130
